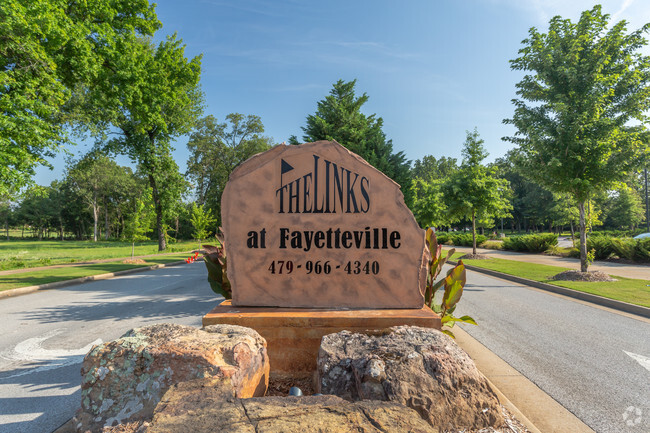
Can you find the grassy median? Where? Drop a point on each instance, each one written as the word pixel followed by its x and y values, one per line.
pixel 18 254
pixel 50 275
pixel 624 289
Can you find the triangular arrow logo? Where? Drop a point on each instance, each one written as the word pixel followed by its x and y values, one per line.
pixel 285 166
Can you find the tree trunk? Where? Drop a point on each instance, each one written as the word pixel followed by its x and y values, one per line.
pixel 132 250
pixel 583 238
pixel 95 217
pixel 473 232
pixel 158 207
pixel 106 235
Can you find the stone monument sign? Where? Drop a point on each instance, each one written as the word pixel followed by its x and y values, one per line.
pixel 316 226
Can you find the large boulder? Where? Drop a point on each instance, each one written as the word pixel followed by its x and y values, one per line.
pixel 203 407
pixel 123 380
pixel 418 367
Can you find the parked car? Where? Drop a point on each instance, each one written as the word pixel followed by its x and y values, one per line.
pixel 642 236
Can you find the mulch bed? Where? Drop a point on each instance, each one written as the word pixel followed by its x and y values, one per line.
pixel 591 276
pixel 280 385
pixel 471 256
pixel 134 262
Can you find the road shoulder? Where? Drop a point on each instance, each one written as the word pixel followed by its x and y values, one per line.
pixel 532 406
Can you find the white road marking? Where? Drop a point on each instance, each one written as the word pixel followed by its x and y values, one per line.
pixel 643 360
pixel 20 417
pixel 31 350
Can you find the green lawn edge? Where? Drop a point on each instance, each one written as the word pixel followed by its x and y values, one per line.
pixel 25 254
pixel 633 291
pixel 44 276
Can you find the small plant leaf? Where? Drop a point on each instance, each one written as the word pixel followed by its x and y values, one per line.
pixel 454 283
pixel 467 319
pixel 448 332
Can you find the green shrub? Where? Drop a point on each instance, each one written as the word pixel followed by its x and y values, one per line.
pixel 624 247
pixel 465 239
pixel 530 243
pixel 642 250
pixel 443 238
pixel 602 246
pixel 492 244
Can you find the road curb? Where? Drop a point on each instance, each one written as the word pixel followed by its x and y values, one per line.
pixel 58 284
pixel 531 405
pixel 583 296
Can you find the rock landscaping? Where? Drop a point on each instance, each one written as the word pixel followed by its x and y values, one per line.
pixel 418 367
pixel 123 380
pixel 171 379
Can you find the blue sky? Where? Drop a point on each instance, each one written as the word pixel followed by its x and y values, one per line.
pixel 432 69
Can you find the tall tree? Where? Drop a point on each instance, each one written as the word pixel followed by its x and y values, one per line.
pixel 47 49
pixel 153 97
pixel 588 82
pixel 138 223
pixel 96 178
pixel 217 148
pixel 201 220
pixel 431 168
pixel 339 117
pixel 475 191
pixel 429 173
pixel 625 209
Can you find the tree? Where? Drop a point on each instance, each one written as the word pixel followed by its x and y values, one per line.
pixel 138 223
pixel 201 220
pixel 339 117
pixel 428 175
pixel 431 168
pixel 588 83
pixel 153 97
pixel 96 178
pixel 625 210
pixel 217 148
pixel 429 207
pixel 47 49
pixel 475 191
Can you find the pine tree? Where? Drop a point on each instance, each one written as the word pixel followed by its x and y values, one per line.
pixel 339 117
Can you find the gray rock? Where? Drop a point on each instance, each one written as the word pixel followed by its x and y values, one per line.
pixel 418 367
pixel 123 380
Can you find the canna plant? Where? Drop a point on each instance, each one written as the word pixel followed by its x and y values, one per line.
pixel 216 262
pixel 453 285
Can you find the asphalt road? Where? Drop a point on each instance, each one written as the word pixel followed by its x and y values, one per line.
pixel 46 334
pixel 594 362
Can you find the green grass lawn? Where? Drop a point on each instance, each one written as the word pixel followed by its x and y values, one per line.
pixel 17 254
pixel 625 289
pixel 33 278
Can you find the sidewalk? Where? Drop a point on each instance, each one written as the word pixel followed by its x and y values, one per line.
pixel 639 271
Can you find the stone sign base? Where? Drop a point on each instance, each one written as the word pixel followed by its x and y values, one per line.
pixel 293 335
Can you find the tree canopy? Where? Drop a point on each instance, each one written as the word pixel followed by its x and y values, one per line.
pixel 48 51
pixel 475 191
pixel 217 148
pixel 150 96
pixel 575 111
pixel 339 117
